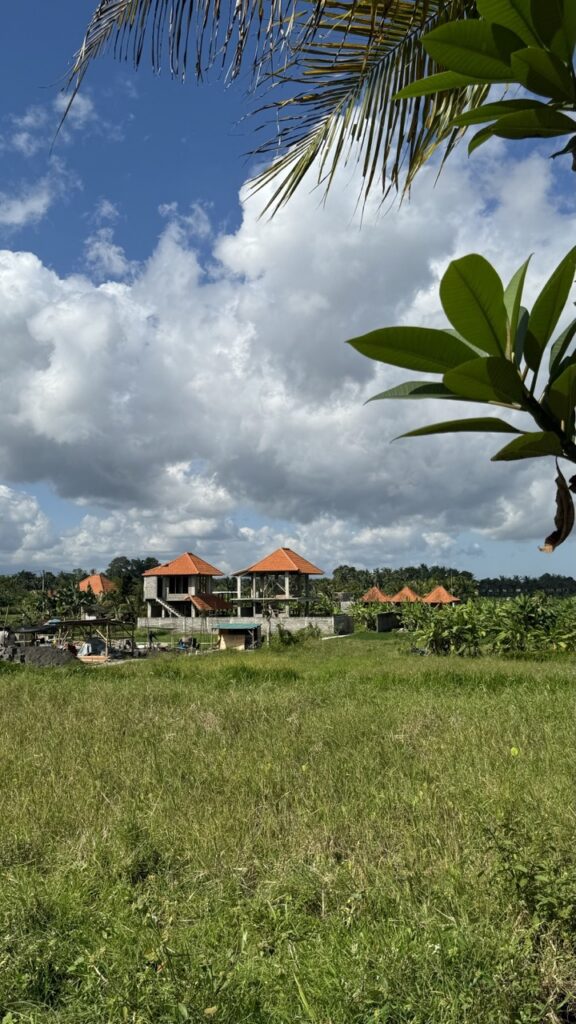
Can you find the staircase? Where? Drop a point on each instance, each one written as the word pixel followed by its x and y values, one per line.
pixel 167 606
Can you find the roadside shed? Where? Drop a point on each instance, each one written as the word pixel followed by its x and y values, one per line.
pixel 239 636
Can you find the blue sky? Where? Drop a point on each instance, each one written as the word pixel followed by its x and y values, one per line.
pixel 175 373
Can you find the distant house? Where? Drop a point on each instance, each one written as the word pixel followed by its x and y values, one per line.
pixel 375 594
pixel 98 584
pixel 277 582
pixel 183 587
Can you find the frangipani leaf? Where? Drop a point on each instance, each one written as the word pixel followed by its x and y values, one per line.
pixel 480 138
pixel 474 48
pixel 487 380
pixel 415 348
pixel 478 424
pixel 543 73
pixel 548 308
pixel 564 518
pixel 521 331
pixel 472 296
pixel 513 14
pixel 441 82
pixel 492 111
pixel 530 446
pixel 415 389
pixel 539 123
pixel 560 347
pixel 555 23
pixel 561 394
pixel 512 299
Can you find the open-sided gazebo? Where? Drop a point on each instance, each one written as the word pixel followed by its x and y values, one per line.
pixel 277 582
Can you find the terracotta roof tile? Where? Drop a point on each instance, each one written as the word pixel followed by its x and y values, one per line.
pixel 185 565
pixel 283 560
pixel 209 603
pixel 98 584
pixel 406 594
pixel 440 596
pixel 375 594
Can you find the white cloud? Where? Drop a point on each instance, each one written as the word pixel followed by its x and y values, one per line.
pixel 104 257
pixel 196 399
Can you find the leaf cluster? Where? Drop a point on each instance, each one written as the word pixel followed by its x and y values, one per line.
pixel 525 43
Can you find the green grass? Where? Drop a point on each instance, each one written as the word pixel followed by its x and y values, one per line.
pixel 337 834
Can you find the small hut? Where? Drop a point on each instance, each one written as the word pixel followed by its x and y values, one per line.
pixel 406 594
pixel 440 596
pixel 239 636
pixel 376 595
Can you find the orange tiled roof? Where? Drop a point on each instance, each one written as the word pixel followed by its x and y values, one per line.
pixel 440 596
pixel 283 560
pixel 209 603
pixel 185 565
pixel 98 584
pixel 406 594
pixel 375 594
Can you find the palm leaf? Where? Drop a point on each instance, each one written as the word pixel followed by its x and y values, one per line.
pixel 350 69
pixel 342 62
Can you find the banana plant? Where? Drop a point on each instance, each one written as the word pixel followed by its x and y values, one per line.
pixel 525 43
pixel 495 352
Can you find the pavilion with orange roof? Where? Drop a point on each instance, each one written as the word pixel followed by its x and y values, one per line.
pixel 376 595
pixel 406 594
pixel 98 584
pixel 440 596
pixel 278 581
pixel 183 587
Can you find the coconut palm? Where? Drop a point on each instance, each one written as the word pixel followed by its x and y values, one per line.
pixel 329 69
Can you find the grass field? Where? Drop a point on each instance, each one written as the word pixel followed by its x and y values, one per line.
pixel 336 833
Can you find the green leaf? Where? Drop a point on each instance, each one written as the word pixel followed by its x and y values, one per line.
pixel 473 48
pixel 560 395
pixel 521 332
pixel 435 83
pixel 513 14
pixel 542 123
pixel 414 348
pixel 479 139
pixel 543 73
pixel 487 380
pixel 555 23
pixel 415 389
pixel 548 308
pixel 478 424
pixel 560 346
pixel 492 111
pixel 530 446
pixel 472 297
pixel 512 299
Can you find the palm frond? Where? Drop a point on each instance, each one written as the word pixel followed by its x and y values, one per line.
pixel 343 62
pixel 357 59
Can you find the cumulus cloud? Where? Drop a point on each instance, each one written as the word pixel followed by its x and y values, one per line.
pixel 212 401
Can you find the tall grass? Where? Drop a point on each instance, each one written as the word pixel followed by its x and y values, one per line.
pixel 336 834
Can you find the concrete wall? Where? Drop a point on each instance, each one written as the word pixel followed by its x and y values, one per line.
pixel 329 625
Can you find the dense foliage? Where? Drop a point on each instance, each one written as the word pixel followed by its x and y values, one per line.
pixel 533 624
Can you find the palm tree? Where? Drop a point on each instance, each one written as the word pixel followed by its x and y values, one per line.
pixel 333 65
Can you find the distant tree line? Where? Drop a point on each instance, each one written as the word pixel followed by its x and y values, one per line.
pixel 35 596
